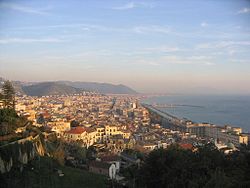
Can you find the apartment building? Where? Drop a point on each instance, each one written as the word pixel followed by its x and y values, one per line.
pixel 226 134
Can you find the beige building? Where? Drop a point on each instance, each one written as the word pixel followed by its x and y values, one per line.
pixel 75 134
pixel 91 136
pixel 59 127
pixel 225 134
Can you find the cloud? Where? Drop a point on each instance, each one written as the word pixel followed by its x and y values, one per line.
pixel 129 5
pixel 132 5
pixel 239 60
pixel 232 52
pixel 222 44
pixel 92 27
pixel 162 49
pixel 29 40
pixel 178 60
pixel 147 62
pixel 204 24
pixel 151 29
pixel 24 9
pixel 203 60
pixel 244 11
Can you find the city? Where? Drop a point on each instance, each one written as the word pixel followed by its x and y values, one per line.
pixel 102 133
pixel 124 94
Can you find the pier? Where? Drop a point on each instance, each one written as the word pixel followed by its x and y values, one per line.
pixel 174 105
pixel 166 120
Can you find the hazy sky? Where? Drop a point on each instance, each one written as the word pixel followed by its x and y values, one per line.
pixel 152 46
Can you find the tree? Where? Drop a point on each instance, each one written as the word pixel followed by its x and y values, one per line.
pixel 1 96
pixel 1 99
pixel 8 95
pixel 91 153
pixel 59 154
pixel 206 167
pixel 8 121
pixel 74 123
pixel 218 179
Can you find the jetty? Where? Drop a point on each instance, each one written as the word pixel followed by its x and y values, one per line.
pixel 165 119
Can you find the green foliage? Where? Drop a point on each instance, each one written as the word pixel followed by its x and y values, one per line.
pixel 9 121
pixel 207 167
pixel 8 95
pixel 1 96
pixel 74 123
pixel 40 119
pixel 77 151
pixel 8 115
pixel 81 154
pixel 42 172
pixel 135 153
pixel 13 151
pixel 59 155
pixel 91 153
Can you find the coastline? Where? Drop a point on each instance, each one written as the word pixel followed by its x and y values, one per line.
pixel 233 110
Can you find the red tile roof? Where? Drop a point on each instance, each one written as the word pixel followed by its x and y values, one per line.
pixel 186 146
pixel 77 130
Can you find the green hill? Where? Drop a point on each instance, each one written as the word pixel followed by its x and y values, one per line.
pixel 49 88
pixel 67 87
pixel 101 87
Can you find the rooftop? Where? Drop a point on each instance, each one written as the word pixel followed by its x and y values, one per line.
pixel 77 130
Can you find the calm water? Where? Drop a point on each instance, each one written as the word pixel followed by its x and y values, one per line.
pixel 220 110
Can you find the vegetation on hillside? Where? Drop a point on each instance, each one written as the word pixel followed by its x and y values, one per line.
pixel 8 95
pixel 50 88
pixel 9 121
pixel 43 172
pixel 207 167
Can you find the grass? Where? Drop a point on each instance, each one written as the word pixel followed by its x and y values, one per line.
pixel 44 175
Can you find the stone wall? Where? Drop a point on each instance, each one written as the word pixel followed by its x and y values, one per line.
pixel 18 153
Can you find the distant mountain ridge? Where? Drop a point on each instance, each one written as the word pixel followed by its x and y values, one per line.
pixel 50 88
pixel 67 88
pixel 101 87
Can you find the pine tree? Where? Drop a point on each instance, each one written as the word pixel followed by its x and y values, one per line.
pixel 1 99
pixel 8 95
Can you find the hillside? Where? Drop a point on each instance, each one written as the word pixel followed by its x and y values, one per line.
pixel 101 87
pixel 42 173
pixel 49 88
pixel 16 84
pixel 67 87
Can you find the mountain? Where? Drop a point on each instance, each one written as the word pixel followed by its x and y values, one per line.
pixel 16 84
pixel 67 87
pixel 49 88
pixel 104 88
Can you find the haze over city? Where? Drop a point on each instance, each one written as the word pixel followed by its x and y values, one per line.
pixel 151 46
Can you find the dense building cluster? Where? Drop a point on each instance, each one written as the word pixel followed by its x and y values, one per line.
pixel 115 122
pixel 113 125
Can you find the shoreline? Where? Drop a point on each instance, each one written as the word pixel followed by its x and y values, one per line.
pixel 199 113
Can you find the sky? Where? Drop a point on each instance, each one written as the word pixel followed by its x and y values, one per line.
pixel 153 46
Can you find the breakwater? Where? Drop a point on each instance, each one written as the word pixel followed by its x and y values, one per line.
pixel 166 120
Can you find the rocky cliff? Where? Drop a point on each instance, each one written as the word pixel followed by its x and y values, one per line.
pixel 19 153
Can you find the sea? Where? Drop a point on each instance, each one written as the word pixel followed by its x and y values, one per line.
pixel 219 110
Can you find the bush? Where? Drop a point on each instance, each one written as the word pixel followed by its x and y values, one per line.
pixel 207 167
